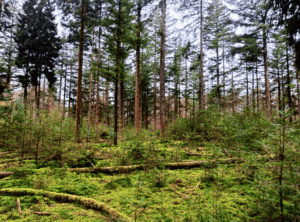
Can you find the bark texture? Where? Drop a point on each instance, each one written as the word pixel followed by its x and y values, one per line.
pixel 79 77
pixel 162 72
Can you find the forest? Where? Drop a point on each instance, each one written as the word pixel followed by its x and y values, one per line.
pixel 150 110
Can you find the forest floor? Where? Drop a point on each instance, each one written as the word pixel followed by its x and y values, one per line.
pixel 217 186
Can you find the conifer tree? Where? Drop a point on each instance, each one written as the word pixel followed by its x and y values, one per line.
pixel 118 25
pixel 216 26
pixel 37 44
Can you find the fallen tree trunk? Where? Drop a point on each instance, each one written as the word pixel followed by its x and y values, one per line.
pixel 61 197
pixel 178 165
pixel 16 160
pixel 43 213
pixel 199 154
pixel 5 174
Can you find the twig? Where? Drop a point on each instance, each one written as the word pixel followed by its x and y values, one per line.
pixel 186 197
pixel 19 206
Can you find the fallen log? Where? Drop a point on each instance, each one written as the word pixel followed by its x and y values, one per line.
pixel 5 174
pixel 16 160
pixel 198 154
pixel 43 213
pixel 61 197
pixel 177 165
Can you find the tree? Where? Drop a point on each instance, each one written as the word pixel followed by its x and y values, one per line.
pixel 216 25
pixel 162 70
pixel 118 25
pixel 37 44
pixel 289 16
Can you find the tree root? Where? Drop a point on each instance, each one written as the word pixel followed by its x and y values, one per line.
pixel 61 197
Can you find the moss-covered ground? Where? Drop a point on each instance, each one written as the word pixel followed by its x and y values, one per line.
pixel 212 192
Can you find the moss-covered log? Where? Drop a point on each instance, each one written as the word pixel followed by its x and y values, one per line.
pixel 61 197
pixel 198 154
pixel 177 165
pixel 5 174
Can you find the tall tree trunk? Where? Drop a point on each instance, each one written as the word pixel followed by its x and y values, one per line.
pixel 90 97
pixel 117 80
pixel 137 113
pixel 107 102
pixel 279 91
pixel 232 92
pixel 223 81
pixel 60 85
pixel 65 89
pixel 146 109
pixel 288 80
pixel 218 78
pixel 121 102
pixel 162 72
pixel 298 97
pixel 70 90
pixel 297 64
pixel 98 75
pixel 97 91
pixel 8 78
pixel 266 65
pixel 186 88
pixel 176 91
pixel 247 85
pixel 154 92
pixel 201 87
pixel 79 77
pixel 257 86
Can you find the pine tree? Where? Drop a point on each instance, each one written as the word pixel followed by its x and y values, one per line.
pixel 37 44
pixel 216 26
pixel 118 25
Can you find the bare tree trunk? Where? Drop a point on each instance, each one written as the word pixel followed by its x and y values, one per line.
pixel 70 90
pixel 137 113
pixel 176 92
pixel 247 85
pixel 218 79
pixel 65 89
pixel 224 86
pixel 201 87
pixel 297 63
pixel 121 103
pixel 79 77
pixel 60 84
pixel 97 91
pixel 257 86
pixel 288 80
pixel 154 92
pixel 298 99
pixel 162 72
pixel 90 98
pixel 266 64
pixel 98 76
pixel 232 92
pixel 186 85
pixel 107 102
pixel 279 91
pixel 117 75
